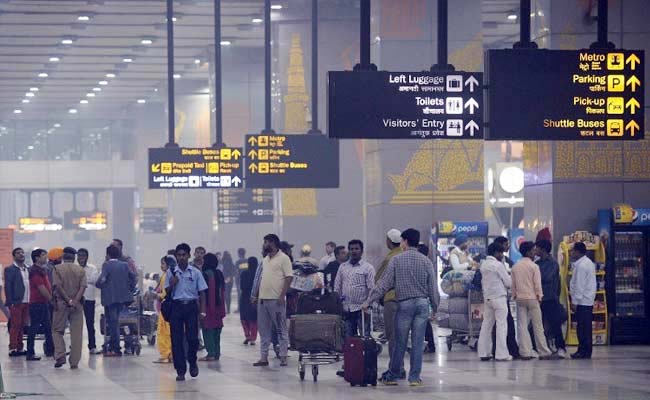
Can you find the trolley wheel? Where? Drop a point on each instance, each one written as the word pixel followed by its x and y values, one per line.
pixel 302 375
pixel 449 343
pixel 314 372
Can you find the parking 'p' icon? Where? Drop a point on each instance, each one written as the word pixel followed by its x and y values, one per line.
pixel 616 83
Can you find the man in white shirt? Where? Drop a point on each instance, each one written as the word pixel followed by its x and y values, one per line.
pixel 583 294
pixel 90 297
pixel 329 256
pixel 459 259
pixel 495 282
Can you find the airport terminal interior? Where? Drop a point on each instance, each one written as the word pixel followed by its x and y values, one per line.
pixel 314 155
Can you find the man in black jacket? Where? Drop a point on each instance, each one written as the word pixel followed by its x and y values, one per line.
pixel 17 295
pixel 552 310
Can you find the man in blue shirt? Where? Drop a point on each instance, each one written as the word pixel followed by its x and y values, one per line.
pixel 188 287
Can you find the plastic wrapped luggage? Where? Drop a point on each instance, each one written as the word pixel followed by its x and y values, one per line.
pixel 457 283
pixel 316 332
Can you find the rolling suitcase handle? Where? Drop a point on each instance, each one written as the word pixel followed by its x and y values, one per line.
pixel 363 323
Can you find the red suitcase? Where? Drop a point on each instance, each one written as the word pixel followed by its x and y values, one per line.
pixel 360 357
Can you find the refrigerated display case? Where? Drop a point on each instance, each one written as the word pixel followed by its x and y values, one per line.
pixel 626 232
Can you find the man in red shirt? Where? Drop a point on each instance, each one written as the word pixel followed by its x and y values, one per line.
pixel 39 312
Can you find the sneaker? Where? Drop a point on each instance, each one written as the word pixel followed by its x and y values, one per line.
pixel 341 373
pixel 534 354
pixel 417 383
pixel 389 382
pixel 562 353
pixel 261 364
pixel 180 378
pixel 509 358
pixel 59 363
pixel 93 352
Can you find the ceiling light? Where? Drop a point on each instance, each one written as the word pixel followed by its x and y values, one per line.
pixel 72 111
pixel 67 41
pixel 18 111
pixel 103 83
pixel 146 41
pixel 197 61
pixel 226 42
pixel 83 101
pixel 30 147
pixel 83 18
pixel 43 75
pixel 97 89
pixel 90 94
pixel 33 89
pixel 276 7
pixel 55 59
pixel 141 101
pixel 110 75
pixel 257 20
pixel 512 17
pixel 29 94
pixel 177 76
pixel 155 89
pixel 127 59
pixel 25 101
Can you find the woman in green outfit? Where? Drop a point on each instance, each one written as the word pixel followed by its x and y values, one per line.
pixel 215 308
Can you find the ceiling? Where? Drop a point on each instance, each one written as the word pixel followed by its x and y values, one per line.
pixel 104 35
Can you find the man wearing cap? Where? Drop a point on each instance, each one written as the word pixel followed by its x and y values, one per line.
pixel 305 256
pixel 459 259
pixel 69 284
pixel 393 240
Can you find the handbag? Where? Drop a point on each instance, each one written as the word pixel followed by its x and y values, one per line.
pixel 166 305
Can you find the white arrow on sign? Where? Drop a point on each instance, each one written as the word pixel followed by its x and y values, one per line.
pixel 471 82
pixel 472 126
pixel 236 181
pixel 471 104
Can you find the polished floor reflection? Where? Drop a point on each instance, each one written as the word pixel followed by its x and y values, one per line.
pixel 614 373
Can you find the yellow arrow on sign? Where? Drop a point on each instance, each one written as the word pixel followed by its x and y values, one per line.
pixel 236 154
pixel 155 168
pixel 632 126
pixel 633 60
pixel 252 168
pixel 252 140
pixel 633 105
pixel 634 82
pixel 252 154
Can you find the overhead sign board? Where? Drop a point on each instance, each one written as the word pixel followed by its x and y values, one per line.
pixel 565 94
pixel 405 105
pixel 88 221
pixel 195 168
pixel 291 161
pixel 152 220
pixel 239 206
pixel 40 224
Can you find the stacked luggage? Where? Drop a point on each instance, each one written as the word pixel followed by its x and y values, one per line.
pixel 316 331
pixel 462 310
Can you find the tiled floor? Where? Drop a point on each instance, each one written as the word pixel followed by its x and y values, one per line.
pixel 614 373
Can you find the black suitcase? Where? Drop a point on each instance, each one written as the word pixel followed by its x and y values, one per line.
pixel 320 302
pixel 360 358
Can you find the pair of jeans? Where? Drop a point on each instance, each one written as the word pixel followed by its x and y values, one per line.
pixel 584 316
pixel 184 325
pixel 41 322
pixel 495 311
pixel 212 342
pixel 113 326
pixel 89 314
pixel 412 316
pixel 353 323
pixel 552 312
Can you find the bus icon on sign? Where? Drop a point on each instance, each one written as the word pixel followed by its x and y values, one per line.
pixel 615 127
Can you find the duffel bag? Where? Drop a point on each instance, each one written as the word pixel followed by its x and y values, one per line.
pixel 318 302
pixel 316 332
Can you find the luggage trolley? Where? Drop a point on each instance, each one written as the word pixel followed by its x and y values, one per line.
pixel 314 359
pixel 130 326
pixel 474 315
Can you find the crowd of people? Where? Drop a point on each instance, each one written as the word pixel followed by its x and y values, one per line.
pixel 193 296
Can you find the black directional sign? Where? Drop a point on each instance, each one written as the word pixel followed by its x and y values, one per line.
pixel 152 220
pixel 565 94
pixel 405 105
pixel 239 206
pixel 291 161
pixel 195 168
